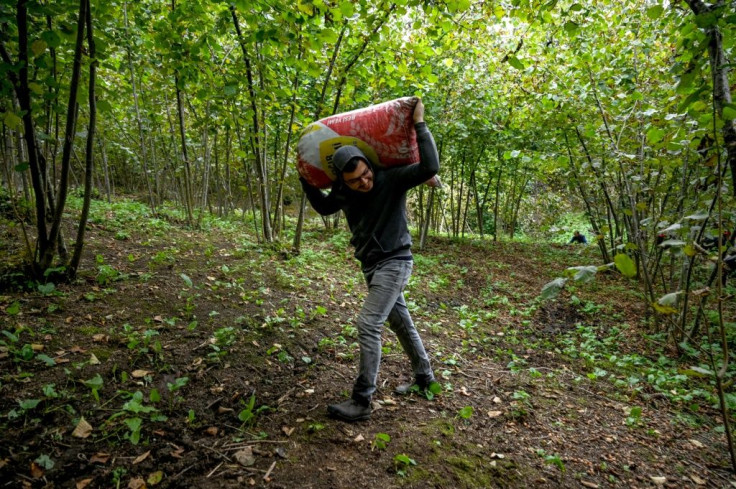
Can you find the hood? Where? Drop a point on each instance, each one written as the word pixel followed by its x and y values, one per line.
pixel 344 154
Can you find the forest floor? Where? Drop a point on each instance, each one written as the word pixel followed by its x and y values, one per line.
pixel 200 359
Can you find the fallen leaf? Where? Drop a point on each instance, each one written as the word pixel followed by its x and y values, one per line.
pixel 93 360
pixel 498 455
pixel 389 402
pixel 309 392
pixel 589 484
pixel 141 457
pixel 84 483
pixel 36 347
pixel 494 414
pixel 77 349
pixel 497 400
pixel 137 483
pixel 223 410
pixel 464 391
pixel 139 374
pixel 698 480
pixel 660 481
pixel 69 319
pixel 100 457
pixel 155 477
pixel 83 429
pixel 100 338
pixel 696 443
pixel 36 471
pixel 3 463
pixel 287 430
pixel 359 438
pixel 245 457
pixel 212 431
pixel 178 452
pixel 159 432
pixel 158 319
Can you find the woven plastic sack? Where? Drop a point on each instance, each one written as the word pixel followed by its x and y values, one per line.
pixel 384 132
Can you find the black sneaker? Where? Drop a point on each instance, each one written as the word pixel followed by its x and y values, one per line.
pixel 349 411
pixel 426 389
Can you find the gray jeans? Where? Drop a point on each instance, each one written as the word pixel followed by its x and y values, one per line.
pixel 385 300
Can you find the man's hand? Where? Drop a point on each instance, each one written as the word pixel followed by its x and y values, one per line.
pixel 419 112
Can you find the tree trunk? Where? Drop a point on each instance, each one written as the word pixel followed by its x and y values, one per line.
pixel 46 258
pixel 187 181
pixel 255 137
pixel 138 118
pixel 719 64
pixel 89 157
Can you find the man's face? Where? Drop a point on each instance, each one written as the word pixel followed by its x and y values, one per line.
pixel 360 180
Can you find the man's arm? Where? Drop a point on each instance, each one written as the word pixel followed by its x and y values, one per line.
pixel 323 204
pixel 429 160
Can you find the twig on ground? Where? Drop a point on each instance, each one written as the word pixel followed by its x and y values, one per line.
pixel 215 469
pixel 214 402
pixel 270 469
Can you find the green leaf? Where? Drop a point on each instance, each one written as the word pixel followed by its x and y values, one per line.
pixel 655 135
pixel 466 412
pixel 729 113
pixel 516 62
pixel 625 265
pixel 103 106
pixel 46 359
pixel 571 27
pixel 28 404
pixel 95 382
pixel 46 289
pixel 45 462
pixel 584 274
pixel 706 20
pixel 700 216
pixel 51 38
pixel 553 288
pixel 11 120
pixel 655 12
pixel 155 478
pixel 38 47
pixel 22 167
pixel 347 8
pixel 672 243
pixel 698 372
pixel 13 309
pixel 186 279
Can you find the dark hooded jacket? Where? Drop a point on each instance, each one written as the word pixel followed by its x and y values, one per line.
pixel 377 219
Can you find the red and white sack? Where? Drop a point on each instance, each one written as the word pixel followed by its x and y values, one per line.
pixel 384 132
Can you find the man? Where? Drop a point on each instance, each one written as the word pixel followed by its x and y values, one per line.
pixel 578 238
pixel 374 202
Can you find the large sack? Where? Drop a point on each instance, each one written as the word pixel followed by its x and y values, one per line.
pixel 384 132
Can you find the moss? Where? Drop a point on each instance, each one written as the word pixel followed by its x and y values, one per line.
pixel 89 330
pixel 102 354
